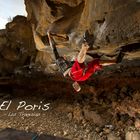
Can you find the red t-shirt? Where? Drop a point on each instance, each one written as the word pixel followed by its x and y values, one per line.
pixel 81 72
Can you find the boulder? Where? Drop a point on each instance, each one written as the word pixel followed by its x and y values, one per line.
pixel 113 23
pixel 17 46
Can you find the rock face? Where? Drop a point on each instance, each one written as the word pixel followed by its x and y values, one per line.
pixel 17 46
pixel 113 23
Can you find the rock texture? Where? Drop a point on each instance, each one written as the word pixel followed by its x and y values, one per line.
pixel 113 23
pixel 100 111
pixel 17 46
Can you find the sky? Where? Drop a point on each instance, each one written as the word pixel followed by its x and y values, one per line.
pixel 9 9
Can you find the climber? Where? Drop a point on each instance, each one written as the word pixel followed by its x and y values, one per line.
pixel 80 71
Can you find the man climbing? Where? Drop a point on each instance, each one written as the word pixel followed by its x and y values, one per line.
pixel 79 71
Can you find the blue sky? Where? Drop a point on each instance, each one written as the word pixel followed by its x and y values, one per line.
pixel 10 8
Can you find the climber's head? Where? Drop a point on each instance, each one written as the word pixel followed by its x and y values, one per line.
pixel 76 86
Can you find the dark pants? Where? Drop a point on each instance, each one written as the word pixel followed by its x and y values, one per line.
pixel 55 52
pixel 60 61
